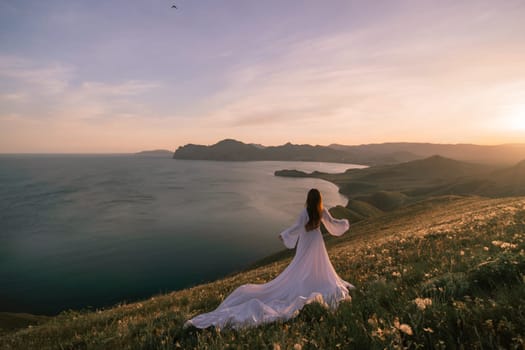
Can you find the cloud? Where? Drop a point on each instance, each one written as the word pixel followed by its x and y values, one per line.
pixel 56 95
pixel 13 97
pixel 128 88
pixel 403 75
pixel 44 79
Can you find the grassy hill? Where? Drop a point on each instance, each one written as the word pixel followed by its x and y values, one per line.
pixel 422 173
pixel 508 181
pixel 389 187
pixel 502 182
pixel 446 272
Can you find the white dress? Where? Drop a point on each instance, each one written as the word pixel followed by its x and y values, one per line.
pixel 309 277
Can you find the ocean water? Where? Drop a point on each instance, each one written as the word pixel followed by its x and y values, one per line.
pixel 92 231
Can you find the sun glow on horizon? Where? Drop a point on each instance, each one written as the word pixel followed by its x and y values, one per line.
pixel 515 118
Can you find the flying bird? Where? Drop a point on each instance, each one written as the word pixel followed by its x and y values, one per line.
pixel 173 7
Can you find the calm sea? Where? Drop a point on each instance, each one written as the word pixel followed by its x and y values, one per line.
pixel 91 231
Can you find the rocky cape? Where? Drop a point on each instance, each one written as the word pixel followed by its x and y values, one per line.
pixel 232 150
pixel 157 153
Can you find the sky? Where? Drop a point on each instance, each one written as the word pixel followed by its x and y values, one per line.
pixel 123 76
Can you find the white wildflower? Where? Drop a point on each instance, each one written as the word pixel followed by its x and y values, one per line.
pixel 504 245
pixel 423 303
pixel 405 329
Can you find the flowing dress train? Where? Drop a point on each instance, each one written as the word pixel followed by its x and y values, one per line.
pixel 309 277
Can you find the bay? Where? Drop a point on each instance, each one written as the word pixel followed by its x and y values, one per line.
pixel 89 231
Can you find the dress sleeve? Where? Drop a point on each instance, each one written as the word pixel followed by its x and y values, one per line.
pixel 336 227
pixel 291 234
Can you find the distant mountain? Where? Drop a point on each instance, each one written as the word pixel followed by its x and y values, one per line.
pixel 158 153
pixel 407 151
pixel 232 150
pixel 371 154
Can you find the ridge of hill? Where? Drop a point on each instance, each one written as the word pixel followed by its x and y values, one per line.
pixel 504 154
pixel 502 182
pixel 432 274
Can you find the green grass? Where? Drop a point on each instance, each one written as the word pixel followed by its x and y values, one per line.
pixel 363 208
pixel 340 212
pixel 444 273
pixel 11 321
pixel 385 200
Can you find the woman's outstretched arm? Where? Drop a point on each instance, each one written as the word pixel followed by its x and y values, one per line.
pixel 291 234
pixel 336 227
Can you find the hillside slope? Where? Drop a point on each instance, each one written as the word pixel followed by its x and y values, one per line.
pixel 422 173
pixel 389 187
pixel 444 272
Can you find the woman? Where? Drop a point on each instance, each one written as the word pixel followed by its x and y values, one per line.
pixel 309 277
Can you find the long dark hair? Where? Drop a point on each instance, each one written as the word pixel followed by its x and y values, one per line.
pixel 314 208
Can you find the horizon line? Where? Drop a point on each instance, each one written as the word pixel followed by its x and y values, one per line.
pixel 254 143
